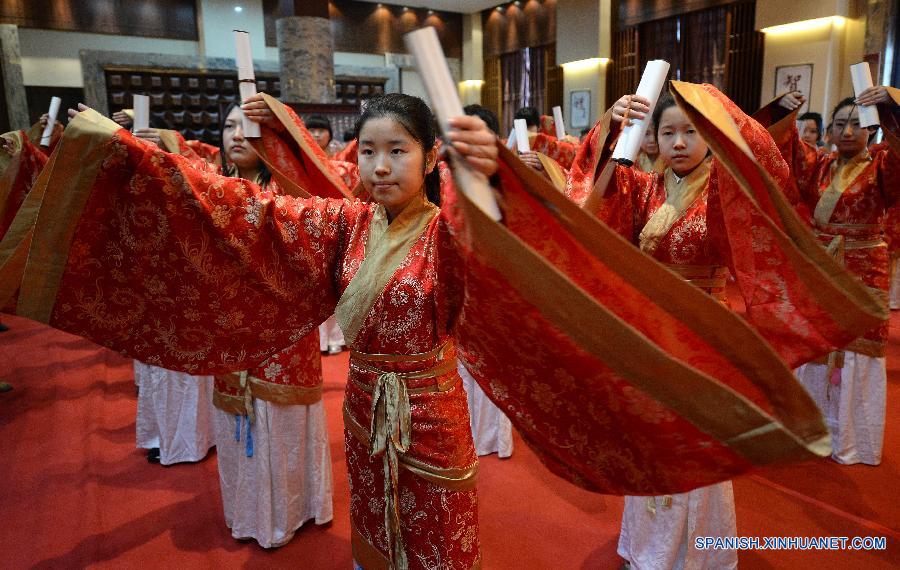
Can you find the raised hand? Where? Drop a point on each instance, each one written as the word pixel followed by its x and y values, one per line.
pixel 630 107
pixel 257 110
pixel 873 96
pixel 471 138
pixel 792 100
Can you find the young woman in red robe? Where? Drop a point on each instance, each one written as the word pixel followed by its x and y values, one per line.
pixel 271 430
pixel 851 192
pixel 524 299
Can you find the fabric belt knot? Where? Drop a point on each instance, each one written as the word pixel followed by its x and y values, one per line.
pixel 390 434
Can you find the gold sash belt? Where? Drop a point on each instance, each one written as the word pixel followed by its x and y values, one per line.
pixel 391 423
pixel 709 278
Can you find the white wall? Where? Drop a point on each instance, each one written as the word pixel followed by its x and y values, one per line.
pixel 217 19
pixel 830 45
pixel 588 37
pixel 50 57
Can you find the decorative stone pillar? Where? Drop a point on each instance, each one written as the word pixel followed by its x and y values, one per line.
pixel 14 86
pixel 306 55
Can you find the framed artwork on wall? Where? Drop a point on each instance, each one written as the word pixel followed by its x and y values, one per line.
pixel 580 108
pixel 794 78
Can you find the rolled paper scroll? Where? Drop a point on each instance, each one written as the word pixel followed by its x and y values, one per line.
pixel 423 44
pixel 511 140
pixel 559 123
pixel 652 81
pixel 51 121
pixel 861 75
pixel 246 79
pixel 522 142
pixel 141 113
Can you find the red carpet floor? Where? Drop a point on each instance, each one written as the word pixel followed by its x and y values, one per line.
pixel 75 492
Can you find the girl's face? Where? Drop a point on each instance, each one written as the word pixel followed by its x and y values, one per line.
pixel 238 151
pixel 648 143
pixel 680 145
pixel 850 138
pixel 392 164
pixel 321 137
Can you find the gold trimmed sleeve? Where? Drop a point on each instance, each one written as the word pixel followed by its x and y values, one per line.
pixel 65 192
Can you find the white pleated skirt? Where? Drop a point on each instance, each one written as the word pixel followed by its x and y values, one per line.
pixel 331 338
pixel 286 482
pixel 663 538
pixel 174 413
pixel 491 429
pixel 854 409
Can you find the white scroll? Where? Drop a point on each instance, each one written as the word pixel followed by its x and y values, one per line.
pixel 522 142
pixel 559 123
pixel 861 75
pixel 141 106
pixel 246 79
pixel 511 139
pixel 51 121
pixel 423 44
pixel 652 81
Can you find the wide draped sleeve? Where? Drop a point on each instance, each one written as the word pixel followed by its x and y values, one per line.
pixel 139 251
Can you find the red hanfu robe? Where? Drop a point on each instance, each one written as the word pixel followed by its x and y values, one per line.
pixel 853 202
pixel 780 271
pixel 18 173
pixel 539 308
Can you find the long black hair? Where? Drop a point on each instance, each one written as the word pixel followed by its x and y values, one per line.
pixel 264 175
pixel 413 115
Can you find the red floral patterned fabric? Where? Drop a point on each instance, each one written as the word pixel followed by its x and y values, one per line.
pixel 723 227
pixel 867 209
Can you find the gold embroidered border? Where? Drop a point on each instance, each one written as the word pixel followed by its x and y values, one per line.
pixel 417 357
pixel 67 189
pixel 867 347
pixel 386 248
pixel 283 394
pixel 452 478
pixel 228 403
pixel 435 372
pixel 16 243
pixel 280 111
pixel 692 394
pixel 171 141
pixel 554 171
pixel 370 558
pixel 842 177
pixel 841 294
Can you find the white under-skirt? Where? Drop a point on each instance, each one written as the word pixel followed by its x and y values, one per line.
pixel 854 409
pixel 174 413
pixel 331 339
pixel 665 539
pixel 286 482
pixel 491 429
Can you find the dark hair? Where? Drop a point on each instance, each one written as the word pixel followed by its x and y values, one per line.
pixel 348 136
pixel 848 102
pixel 812 117
pixel 486 115
pixel 665 101
pixel 413 115
pixel 319 122
pixel 264 175
pixel 530 114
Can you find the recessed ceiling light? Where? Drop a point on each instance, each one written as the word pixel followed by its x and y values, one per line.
pixel 238 9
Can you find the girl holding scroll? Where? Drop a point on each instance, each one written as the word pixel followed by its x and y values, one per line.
pixel 665 214
pixel 851 192
pixel 271 430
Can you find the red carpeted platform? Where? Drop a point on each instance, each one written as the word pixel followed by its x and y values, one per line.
pixel 75 492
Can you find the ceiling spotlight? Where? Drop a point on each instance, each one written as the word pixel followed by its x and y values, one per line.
pixel 238 9
pixel 431 12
